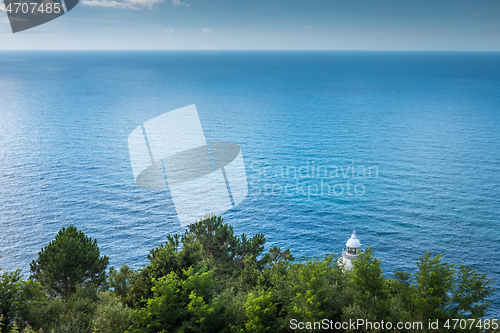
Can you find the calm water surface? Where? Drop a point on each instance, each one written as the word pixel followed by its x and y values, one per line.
pixel 407 143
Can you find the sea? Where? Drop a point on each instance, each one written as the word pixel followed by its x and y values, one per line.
pixel 401 147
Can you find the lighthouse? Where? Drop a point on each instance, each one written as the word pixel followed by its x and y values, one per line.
pixel 350 252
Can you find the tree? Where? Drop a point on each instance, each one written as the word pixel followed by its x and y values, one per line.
pixel 120 281
pixel 369 285
pixel 275 254
pixel 69 260
pixel 182 305
pixel 9 290
pixel 20 300
pixel 261 313
pixel 470 294
pixel 208 243
pixel 434 282
pixel 75 313
pixel 226 249
pixel 164 259
pixel 111 316
pixel 403 305
pixel 249 275
pixel 317 290
pixel 438 291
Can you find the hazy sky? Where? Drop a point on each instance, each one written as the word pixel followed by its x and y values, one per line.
pixel 267 24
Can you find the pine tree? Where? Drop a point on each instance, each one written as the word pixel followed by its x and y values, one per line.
pixel 69 260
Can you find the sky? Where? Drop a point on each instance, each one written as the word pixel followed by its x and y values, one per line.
pixel 445 25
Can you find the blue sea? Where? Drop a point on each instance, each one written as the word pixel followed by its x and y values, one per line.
pixel 403 147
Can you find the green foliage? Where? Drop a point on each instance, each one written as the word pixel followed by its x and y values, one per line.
pixel 369 285
pixel 469 294
pixel 249 274
pixel 120 281
pixel 14 328
pixel 69 260
pixel 317 290
pixel 275 254
pixel 111 316
pixel 207 243
pixel 438 291
pixel 19 299
pixel 353 312
pixel 235 315
pixel 261 313
pixel 75 313
pixel 309 290
pixel 164 259
pixel 10 285
pixel 434 281
pixel 210 280
pixel 219 243
pixel 182 305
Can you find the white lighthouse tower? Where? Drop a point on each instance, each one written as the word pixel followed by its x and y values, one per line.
pixel 350 252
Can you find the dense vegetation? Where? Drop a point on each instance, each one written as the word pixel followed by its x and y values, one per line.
pixel 210 280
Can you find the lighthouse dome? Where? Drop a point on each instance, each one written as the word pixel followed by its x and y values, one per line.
pixel 353 242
